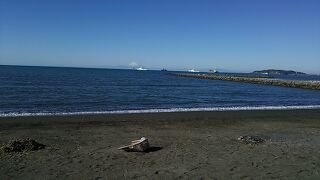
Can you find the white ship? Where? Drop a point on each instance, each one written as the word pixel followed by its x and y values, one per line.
pixel 192 70
pixel 141 69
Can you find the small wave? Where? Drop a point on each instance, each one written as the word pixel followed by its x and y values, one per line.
pixel 244 108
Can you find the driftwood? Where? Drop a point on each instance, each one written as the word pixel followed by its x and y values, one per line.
pixel 140 145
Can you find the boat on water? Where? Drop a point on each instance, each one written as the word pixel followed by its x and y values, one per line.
pixel 192 70
pixel 213 71
pixel 141 69
pixel 164 69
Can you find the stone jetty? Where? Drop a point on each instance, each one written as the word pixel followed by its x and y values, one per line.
pixel 256 80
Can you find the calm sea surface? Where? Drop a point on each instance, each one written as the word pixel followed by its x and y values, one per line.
pixel 48 91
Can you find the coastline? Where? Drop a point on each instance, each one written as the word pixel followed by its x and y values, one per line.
pixel 171 110
pixel 157 115
pixel 191 145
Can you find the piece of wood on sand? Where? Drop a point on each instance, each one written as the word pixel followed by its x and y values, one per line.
pixel 140 145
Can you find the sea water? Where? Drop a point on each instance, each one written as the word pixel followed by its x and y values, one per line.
pixel 28 91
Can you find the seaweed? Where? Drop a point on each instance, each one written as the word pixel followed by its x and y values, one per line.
pixel 22 145
pixel 251 139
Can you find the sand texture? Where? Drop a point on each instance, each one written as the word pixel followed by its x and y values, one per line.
pixel 195 145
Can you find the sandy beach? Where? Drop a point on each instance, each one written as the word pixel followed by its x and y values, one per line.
pixel 193 145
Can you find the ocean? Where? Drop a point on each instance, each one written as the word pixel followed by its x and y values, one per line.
pixel 31 91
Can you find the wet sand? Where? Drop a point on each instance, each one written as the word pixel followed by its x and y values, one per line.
pixel 191 145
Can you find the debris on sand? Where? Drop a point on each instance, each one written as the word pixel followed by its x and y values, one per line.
pixel 22 145
pixel 140 145
pixel 251 139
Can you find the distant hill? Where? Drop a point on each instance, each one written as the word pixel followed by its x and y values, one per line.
pixel 278 72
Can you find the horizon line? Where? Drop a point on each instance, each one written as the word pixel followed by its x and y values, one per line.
pixel 151 69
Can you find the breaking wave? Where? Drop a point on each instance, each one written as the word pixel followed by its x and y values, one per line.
pixel 246 108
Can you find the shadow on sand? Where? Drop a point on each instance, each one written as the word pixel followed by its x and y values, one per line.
pixel 153 149
pixel 149 150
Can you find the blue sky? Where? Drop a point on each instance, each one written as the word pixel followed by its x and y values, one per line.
pixel 238 35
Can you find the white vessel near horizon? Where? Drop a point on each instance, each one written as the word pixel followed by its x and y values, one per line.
pixel 141 69
pixel 192 70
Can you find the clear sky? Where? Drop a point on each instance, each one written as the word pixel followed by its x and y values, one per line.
pixel 239 35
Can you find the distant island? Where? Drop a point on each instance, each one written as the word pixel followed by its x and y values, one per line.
pixel 278 72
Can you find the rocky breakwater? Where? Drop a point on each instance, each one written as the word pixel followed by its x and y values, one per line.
pixel 266 81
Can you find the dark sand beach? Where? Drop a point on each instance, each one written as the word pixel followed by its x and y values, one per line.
pixel 193 145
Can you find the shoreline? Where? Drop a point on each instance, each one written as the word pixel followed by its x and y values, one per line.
pixel 244 115
pixel 188 145
pixel 171 110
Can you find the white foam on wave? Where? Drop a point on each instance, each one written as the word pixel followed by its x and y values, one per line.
pixel 243 108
